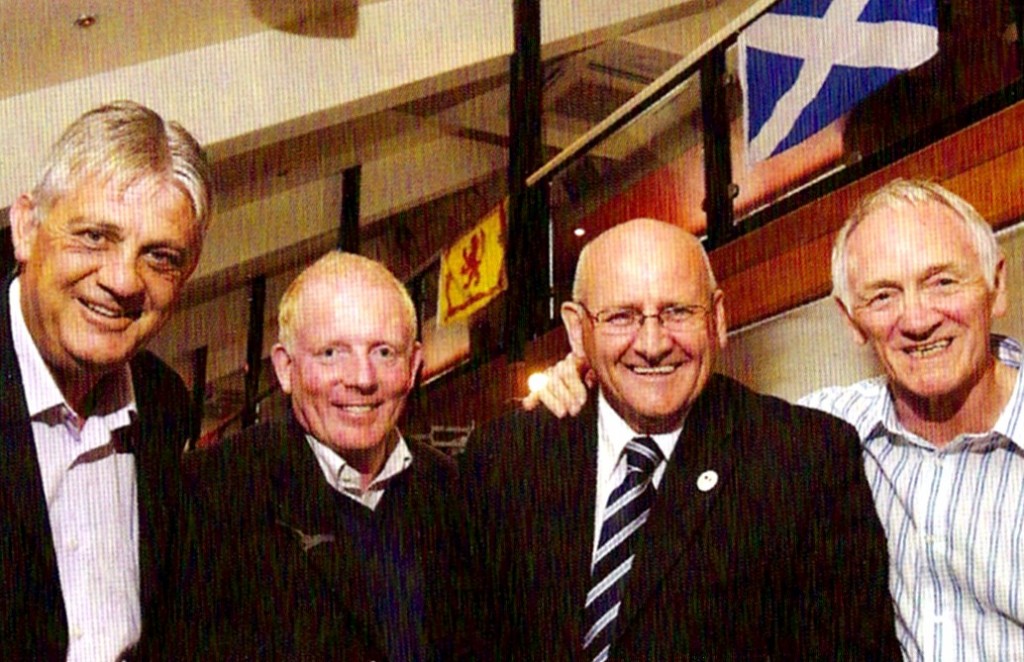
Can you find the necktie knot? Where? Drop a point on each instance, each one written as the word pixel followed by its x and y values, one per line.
pixel 643 455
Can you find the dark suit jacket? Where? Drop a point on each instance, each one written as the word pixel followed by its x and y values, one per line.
pixel 272 577
pixel 33 624
pixel 784 559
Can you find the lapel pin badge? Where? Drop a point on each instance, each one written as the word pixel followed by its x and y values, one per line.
pixel 707 481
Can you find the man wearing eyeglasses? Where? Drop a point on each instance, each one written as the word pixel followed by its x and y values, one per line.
pixel 680 515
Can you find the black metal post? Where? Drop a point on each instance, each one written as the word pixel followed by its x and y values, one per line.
pixel 718 184
pixel 348 232
pixel 1017 10
pixel 527 231
pixel 254 348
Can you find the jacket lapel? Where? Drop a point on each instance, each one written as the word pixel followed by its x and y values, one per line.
pixel 153 536
pixel 695 479
pixel 156 438
pixel 576 486
pixel 30 572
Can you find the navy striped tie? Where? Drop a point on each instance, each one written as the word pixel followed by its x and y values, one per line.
pixel 628 507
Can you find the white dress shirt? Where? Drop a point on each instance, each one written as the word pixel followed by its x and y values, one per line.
pixel 91 500
pixel 613 433
pixel 345 479
pixel 954 519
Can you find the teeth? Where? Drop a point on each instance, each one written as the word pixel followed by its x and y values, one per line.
pixel 655 370
pixel 100 310
pixel 358 409
pixel 929 349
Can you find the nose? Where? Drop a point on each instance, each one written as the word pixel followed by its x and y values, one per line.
pixel 918 317
pixel 120 276
pixel 360 374
pixel 652 341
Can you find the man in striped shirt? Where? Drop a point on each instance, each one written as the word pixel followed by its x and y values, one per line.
pixel 917 273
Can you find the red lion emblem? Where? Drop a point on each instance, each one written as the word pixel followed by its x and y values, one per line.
pixel 472 258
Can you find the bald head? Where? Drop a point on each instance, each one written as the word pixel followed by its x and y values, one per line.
pixel 632 241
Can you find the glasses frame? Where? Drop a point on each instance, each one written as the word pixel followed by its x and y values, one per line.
pixel 639 318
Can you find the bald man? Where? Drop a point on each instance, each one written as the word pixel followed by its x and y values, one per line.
pixel 680 515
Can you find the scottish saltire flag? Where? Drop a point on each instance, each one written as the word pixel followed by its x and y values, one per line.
pixel 807 62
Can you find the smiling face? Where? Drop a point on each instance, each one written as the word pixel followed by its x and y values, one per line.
pixel 351 362
pixel 920 297
pixel 650 377
pixel 100 272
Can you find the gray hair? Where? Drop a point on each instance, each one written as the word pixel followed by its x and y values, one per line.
pixel 912 192
pixel 123 142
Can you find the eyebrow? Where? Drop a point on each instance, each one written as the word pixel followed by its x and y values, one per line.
pixel 933 270
pixel 105 226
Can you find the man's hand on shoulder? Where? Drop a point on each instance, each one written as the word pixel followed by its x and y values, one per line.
pixel 564 392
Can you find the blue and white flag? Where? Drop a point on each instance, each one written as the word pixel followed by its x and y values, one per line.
pixel 807 62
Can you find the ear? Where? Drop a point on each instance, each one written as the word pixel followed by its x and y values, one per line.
pixel 718 310
pixel 282 361
pixel 572 318
pixel 24 225
pixel 999 300
pixel 415 362
pixel 859 336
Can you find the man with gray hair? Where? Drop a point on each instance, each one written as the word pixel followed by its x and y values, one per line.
pixel 917 274
pixel 91 428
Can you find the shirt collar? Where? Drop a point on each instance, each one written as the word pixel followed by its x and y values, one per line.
pixel 344 478
pixel 616 433
pixel 41 391
pixel 1009 426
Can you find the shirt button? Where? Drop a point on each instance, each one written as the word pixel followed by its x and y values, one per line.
pixel 76 633
pixel 73 544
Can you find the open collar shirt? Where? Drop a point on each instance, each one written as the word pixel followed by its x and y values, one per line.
pixel 91 499
pixel 954 519
pixel 347 480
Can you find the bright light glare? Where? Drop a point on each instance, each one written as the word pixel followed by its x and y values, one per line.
pixel 537 381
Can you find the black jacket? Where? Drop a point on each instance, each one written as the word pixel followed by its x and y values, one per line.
pixel 271 576
pixel 783 559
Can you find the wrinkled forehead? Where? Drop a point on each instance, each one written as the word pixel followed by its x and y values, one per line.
pixel 150 195
pixel 907 238
pixel 930 214
pixel 352 308
pixel 641 270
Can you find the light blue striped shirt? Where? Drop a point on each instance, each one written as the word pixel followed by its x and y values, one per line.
pixel 954 518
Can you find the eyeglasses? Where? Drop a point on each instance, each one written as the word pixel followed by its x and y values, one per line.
pixel 677 318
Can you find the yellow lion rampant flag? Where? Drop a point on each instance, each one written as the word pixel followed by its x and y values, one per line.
pixel 473 269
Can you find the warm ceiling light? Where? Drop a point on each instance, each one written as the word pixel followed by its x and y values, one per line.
pixel 85 21
pixel 579 232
